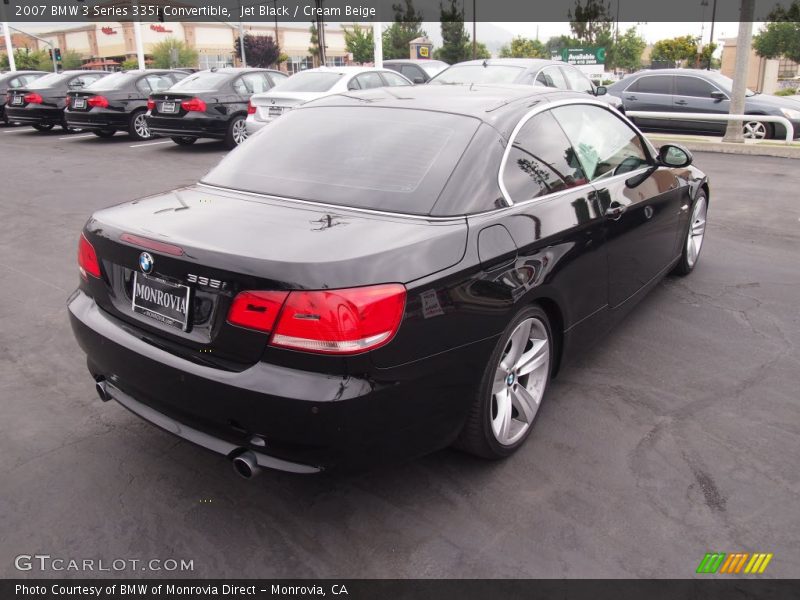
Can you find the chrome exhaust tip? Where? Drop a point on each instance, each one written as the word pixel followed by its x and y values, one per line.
pixel 246 465
pixel 102 390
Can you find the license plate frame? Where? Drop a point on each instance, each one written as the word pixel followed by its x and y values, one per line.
pixel 16 100
pixel 275 111
pixel 174 318
pixel 169 108
pixel 79 103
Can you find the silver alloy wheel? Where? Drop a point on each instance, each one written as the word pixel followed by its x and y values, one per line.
pixel 519 381
pixel 697 231
pixel 239 131
pixel 140 126
pixel 755 130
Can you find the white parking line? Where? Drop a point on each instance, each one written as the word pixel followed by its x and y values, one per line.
pixel 22 130
pixel 78 137
pixel 150 144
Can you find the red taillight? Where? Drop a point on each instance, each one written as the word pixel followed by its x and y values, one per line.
pixel 256 310
pixel 98 101
pixel 144 242
pixel 194 105
pixel 33 98
pixel 87 259
pixel 67 101
pixel 345 321
pixel 151 104
pixel 251 110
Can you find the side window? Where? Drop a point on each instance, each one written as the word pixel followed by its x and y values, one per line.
pixel 369 80
pixel 15 83
pixel 412 71
pixel 605 144
pixel 158 83
pixel 353 84
pixel 556 77
pixel 652 84
pixel 176 77
pixel 393 78
pixel 578 81
pixel 693 86
pixel 278 78
pixel 255 83
pixel 239 87
pixel 541 161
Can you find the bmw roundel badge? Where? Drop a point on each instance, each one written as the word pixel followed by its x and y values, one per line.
pixel 146 262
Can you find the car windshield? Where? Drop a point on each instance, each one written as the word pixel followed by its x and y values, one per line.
pixel 478 74
pixel 310 81
pixel 205 80
pixel 433 67
pixel 111 82
pixel 362 157
pixel 51 80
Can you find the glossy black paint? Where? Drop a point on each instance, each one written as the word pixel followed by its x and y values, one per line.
pixel 51 111
pixel 223 101
pixel 126 98
pixel 466 277
pixel 10 80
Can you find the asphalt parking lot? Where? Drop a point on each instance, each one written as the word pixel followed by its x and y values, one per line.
pixel 680 435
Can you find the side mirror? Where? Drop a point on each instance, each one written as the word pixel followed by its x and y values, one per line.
pixel 673 155
pixel 600 90
pixel 717 95
pixel 419 79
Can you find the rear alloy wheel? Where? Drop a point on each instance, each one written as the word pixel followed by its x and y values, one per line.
pixel 184 140
pixel 42 126
pixel 695 234
pixel 756 130
pixel 237 132
pixel 139 129
pixel 105 133
pixel 512 388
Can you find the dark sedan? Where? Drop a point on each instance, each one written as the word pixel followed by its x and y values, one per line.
pixel 13 80
pixel 118 102
pixel 367 297
pixel 417 70
pixel 696 91
pixel 525 71
pixel 41 103
pixel 209 104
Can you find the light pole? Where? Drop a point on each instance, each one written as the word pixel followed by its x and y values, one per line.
pixel 711 39
pixel 36 37
pixel 474 32
pixel 12 65
pixel 733 133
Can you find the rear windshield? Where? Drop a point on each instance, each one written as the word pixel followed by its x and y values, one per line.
pixel 395 160
pixel 51 80
pixel 112 82
pixel 478 74
pixel 205 80
pixel 433 67
pixel 310 81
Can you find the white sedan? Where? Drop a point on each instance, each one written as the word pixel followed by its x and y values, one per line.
pixel 312 84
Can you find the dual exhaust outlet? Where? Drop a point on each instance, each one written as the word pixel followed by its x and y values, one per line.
pixel 244 461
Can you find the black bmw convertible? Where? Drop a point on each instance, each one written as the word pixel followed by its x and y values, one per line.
pixel 381 274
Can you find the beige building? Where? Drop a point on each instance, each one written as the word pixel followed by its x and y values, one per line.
pixel 763 74
pixel 115 41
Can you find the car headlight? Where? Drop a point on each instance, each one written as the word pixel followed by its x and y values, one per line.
pixel 791 113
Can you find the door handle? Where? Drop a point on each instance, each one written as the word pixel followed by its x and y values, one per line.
pixel 681 102
pixel 615 211
pixel 631 98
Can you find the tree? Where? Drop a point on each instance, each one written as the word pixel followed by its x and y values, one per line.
pixel 780 36
pixel 521 47
pixel 313 49
pixel 676 49
pixel 592 23
pixel 129 64
pixel 71 60
pixel 557 43
pixel 456 45
pixel 627 51
pixel 260 50
pixel 163 55
pixel 407 26
pixel 706 56
pixel 481 51
pixel 360 42
pixel 26 59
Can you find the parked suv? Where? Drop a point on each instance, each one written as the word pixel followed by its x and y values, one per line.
pixel 696 91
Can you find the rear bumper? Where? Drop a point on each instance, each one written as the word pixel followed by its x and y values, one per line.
pixel 188 126
pixel 35 116
pixel 313 421
pixel 254 126
pixel 97 120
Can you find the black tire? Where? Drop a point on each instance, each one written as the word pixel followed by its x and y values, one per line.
pixel 686 264
pixel 105 133
pixel 42 126
pixel 477 436
pixel 132 132
pixel 233 136
pixel 184 140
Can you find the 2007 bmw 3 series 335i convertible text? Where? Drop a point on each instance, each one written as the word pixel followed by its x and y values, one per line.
pixel 381 274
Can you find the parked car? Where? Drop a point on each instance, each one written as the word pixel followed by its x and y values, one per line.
pixel 525 71
pixel 41 103
pixel 12 80
pixel 418 71
pixel 377 274
pixel 697 91
pixel 118 102
pixel 209 104
pixel 316 83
